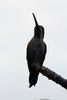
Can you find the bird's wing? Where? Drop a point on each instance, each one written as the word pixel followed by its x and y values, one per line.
pixel 36 52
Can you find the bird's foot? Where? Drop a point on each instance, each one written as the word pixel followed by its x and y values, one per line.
pixel 37 66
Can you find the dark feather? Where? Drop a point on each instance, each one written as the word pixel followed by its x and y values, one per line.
pixel 36 51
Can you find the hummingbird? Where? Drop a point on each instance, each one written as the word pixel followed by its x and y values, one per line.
pixel 36 52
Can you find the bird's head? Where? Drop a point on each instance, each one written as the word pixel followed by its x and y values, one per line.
pixel 38 30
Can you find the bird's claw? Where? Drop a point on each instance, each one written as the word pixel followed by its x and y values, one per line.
pixel 37 66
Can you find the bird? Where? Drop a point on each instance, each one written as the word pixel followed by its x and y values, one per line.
pixel 36 52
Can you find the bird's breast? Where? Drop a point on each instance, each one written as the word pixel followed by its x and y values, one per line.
pixel 36 52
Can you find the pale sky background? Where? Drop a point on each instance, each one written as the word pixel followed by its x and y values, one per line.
pixel 16 29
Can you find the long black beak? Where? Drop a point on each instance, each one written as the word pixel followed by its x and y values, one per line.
pixel 36 23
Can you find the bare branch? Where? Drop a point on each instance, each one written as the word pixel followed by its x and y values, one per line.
pixel 52 75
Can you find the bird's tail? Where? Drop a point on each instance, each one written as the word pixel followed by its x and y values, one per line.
pixel 33 77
